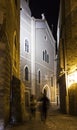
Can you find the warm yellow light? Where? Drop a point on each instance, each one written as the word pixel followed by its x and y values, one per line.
pixel 72 78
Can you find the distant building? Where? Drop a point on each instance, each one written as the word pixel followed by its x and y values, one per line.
pixel 37 55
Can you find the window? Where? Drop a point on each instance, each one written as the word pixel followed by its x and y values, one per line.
pixel 51 81
pixel 45 56
pixel 26 73
pixel 45 37
pixel 39 77
pixel 26 46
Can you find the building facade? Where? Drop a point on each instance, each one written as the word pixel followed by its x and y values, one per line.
pixel 45 67
pixel 9 57
pixel 25 48
pixel 68 57
pixel 37 55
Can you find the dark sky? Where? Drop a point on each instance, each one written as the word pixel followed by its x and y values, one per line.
pixel 50 9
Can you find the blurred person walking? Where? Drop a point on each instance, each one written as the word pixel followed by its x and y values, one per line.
pixel 44 106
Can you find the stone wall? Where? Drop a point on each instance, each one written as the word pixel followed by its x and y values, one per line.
pixel 69 40
pixel 5 75
pixel 71 33
pixel 9 23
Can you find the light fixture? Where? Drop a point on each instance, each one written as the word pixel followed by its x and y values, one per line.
pixel 72 78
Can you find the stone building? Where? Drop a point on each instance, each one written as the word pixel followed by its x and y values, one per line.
pixel 9 59
pixel 37 55
pixel 67 56
pixel 25 48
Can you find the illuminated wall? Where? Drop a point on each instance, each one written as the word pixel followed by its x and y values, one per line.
pixel 45 59
pixel 9 52
pixel 67 46
pixel 68 35
pixel 25 44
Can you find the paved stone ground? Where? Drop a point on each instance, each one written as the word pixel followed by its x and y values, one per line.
pixel 55 121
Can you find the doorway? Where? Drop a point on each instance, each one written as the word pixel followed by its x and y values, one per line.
pixel 47 89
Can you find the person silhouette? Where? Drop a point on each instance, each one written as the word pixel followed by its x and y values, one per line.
pixel 45 102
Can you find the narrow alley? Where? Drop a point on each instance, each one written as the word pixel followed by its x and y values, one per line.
pixel 55 121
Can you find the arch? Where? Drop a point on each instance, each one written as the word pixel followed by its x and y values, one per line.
pixel 47 88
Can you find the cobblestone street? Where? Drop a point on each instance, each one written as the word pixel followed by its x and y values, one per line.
pixel 55 121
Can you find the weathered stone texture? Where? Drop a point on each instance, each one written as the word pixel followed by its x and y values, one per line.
pixel 9 23
pixel 71 33
pixel 69 40
pixel 4 84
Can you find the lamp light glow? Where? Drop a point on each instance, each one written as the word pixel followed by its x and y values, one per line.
pixel 72 78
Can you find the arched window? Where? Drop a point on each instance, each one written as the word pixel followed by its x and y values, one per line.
pixel 26 46
pixel 52 81
pixel 47 58
pixel 39 77
pixel 26 73
pixel 43 55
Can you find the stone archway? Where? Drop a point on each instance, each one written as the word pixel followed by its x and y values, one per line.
pixel 47 88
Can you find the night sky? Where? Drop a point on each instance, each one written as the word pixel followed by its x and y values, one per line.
pixel 50 9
